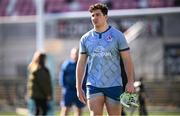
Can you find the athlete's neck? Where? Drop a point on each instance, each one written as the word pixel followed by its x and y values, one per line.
pixel 101 28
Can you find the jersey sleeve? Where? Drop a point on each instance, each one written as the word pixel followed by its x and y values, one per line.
pixel 122 43
pixel 82 48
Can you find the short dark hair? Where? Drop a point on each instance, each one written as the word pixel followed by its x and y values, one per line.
pixel 99 6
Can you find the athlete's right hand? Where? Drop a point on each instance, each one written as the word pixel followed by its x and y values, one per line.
pixel 81 95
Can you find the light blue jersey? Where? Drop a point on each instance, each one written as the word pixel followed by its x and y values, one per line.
pixel 103 50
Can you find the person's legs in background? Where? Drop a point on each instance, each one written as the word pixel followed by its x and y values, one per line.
pixel 66 102
pixel 78 109
pixel 41 106
pixel 64 111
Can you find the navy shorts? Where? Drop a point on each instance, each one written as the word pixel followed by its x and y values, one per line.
pixel 112 93
pixel 70 98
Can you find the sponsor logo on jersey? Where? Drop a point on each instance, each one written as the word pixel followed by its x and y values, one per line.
pixel 100 52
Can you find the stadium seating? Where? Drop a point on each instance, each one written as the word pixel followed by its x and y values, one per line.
pixel 3 6
pixel 27 7
pixel 55 6
pixel 124 4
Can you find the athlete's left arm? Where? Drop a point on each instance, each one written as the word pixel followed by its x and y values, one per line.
pixel 129 68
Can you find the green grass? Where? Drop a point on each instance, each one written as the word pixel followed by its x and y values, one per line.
pixel 165 113
pixel 87 114
pixel 137 114
pixel 156 113
pixel 7 113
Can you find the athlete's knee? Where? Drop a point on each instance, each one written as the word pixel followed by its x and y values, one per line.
pixel 96 112
pixel 95 109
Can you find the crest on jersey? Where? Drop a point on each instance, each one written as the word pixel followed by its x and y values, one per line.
pixel 108 38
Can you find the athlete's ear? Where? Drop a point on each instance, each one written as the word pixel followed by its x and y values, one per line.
pixel 106 16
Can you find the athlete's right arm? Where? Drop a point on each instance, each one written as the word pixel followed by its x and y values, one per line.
pixel 80 71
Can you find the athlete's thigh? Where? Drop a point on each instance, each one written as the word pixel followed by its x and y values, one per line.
pixel 96 104
pixel 113 107
pixel 112 100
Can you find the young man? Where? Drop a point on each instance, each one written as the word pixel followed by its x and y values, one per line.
pixel 103 46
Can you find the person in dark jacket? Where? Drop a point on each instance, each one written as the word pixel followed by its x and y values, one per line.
pixel 142 98
pixel 39 87
pixel 124 81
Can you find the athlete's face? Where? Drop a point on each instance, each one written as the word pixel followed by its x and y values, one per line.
pixel 98 18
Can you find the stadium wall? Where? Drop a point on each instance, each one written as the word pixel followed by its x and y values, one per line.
pixel 18 42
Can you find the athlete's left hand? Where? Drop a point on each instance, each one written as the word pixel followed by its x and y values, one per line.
pixel 130 87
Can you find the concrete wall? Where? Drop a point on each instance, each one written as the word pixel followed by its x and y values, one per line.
pixel 171 25
pixel 18 43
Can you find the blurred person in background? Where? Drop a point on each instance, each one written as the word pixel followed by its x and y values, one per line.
pixel 39 87
pixel 177 3
pixel 124 81
pixel 67 81
pixel 142 98
pixel 101 48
